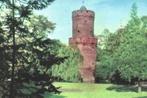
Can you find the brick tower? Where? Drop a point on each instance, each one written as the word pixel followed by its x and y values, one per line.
pixel 83 39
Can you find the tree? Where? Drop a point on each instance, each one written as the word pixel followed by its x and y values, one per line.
pixel 69 69
pixel 26 50
pixel 110 43
pixel 132 51
pixel 128 54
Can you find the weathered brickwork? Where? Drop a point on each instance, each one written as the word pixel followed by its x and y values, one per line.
pixel 83 39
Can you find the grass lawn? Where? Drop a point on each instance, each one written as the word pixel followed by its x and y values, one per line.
pixel 83 90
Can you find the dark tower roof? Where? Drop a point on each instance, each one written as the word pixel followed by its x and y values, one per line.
pixel 83 8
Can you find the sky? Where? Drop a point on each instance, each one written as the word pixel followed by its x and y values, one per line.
pixel 110 14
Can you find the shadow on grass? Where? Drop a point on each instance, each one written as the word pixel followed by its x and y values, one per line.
pixel 47 95
pixel 126 88
pixel 56 96
pixel 71 90
pixel 142 97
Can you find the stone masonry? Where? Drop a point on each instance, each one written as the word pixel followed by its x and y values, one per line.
pixel 83 39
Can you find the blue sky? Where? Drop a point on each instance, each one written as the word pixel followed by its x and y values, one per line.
pixel 109 14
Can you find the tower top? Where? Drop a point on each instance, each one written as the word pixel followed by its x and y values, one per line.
pixel 83 8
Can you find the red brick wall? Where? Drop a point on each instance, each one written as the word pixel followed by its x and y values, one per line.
pixel 83 39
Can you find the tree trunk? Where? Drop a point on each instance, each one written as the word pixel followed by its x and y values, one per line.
pixel 13 54
pixel 139 86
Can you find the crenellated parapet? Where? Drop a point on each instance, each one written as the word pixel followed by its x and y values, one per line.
pixel 83 12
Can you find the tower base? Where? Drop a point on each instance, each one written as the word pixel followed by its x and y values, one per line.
pixel 87 48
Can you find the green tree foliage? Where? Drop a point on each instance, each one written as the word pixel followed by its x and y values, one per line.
pixel 133 58
pixel 26 72
pixel 110 42
pixel 126 51
pixel 69 69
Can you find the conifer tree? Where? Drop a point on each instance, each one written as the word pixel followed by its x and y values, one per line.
pixel 26 54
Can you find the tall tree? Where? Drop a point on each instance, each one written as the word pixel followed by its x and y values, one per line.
pixel 26 50
pixel 132 51
pixel 129 55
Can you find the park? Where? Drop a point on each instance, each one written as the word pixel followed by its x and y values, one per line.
pixel 90 49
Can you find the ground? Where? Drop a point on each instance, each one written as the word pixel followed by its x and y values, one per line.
pixel 83 90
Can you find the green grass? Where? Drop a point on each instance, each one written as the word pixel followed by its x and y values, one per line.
pixel 83 90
